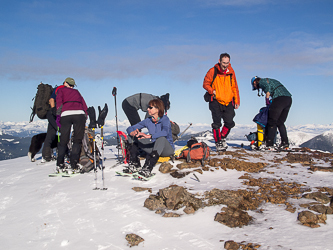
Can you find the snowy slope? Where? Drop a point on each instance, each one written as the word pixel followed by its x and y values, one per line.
pixel 39 212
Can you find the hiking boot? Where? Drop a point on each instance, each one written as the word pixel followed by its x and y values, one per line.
pixel 61 168
pixel 44 160
pixel 270 148
pixel 145 172
pixel 221 145
pixel 151 160
pixel 284 146
pixel 132 168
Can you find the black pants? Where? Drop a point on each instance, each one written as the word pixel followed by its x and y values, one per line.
pixel 50 136
pixel 277 115
pixel 219 111
pixel 132 113
pixel 78 122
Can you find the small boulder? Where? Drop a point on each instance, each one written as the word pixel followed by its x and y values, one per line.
pixel 233 217
pixel 231 245
pixel 133 239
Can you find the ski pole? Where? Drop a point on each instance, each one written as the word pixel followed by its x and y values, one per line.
pixel 95 166
pixel 183 132
pixel 114 93
pixel 104 188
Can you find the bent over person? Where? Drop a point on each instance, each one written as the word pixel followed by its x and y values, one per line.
pixel 223 96
pixel 278 109
pixel 133 103
pixel 71 110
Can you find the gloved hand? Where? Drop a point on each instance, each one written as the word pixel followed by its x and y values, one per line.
pixel 58 121
pixel 102 114
pixel 92 117
pixel 268 102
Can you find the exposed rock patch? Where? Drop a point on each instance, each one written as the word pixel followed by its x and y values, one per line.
pixel 173 198
pixel 229 163
pixel 318 196
pixel 233 217
pixel 310 219
pixel 133 239
pixel 141 189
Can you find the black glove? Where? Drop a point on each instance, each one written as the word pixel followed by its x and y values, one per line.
pixel 102 114
pixel 92 117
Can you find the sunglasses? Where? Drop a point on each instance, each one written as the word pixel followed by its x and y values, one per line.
pixel 150 107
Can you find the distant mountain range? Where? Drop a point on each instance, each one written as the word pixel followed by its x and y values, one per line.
pixel 15 137
pixel 13 147
pixel 322 142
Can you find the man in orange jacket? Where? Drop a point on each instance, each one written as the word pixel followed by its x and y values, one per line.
pixel 220 83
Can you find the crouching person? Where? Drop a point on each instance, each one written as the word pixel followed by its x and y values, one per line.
pixel 158 142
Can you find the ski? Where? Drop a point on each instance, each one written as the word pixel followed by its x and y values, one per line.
pixel 143 178
pixel 125 174
pixel 135 176
pixel 70 175
pixel 56 174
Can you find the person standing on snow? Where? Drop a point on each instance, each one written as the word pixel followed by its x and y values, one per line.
pixel 71 110
pixel 223 96
pixel 133 103
pixel 278 110
pixel 157 143
pixel 51 127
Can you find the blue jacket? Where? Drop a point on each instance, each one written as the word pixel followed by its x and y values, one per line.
pixel 161 128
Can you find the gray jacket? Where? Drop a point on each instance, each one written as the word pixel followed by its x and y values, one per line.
pixel 140 101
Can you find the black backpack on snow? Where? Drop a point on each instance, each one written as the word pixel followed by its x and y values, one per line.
pixel 41 103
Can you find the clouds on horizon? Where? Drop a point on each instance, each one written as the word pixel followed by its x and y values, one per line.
pixel 301 52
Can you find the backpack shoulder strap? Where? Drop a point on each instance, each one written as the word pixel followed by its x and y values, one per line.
pixel 214 76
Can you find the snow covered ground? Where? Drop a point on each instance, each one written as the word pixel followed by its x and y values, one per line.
pixel 40 212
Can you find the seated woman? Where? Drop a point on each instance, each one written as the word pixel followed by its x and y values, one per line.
pixel 158 142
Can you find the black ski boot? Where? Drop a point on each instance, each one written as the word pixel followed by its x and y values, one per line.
pixel 151 160
pixel 61 168
pixel 134 164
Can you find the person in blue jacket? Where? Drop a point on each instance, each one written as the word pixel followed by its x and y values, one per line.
pixel 158 142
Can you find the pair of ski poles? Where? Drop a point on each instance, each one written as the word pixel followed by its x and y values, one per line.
pixel 93 125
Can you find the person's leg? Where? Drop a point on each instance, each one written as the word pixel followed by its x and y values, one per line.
pixel 79 122
pixel 47 149
pixel 131 113
pixel 228 120
pixel 163 147
pixel 65 130
pixel 215 108
pixel 134 160
pixel 275 110
pixel 282 119
pixel 145 144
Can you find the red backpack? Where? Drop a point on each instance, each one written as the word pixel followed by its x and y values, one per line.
pixel 197 151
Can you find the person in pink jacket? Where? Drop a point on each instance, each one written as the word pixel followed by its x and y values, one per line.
pixel 71 110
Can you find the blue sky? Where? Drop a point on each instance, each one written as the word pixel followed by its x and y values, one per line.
pixel 167 46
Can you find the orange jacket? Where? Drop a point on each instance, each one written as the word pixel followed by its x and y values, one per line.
pixel 225 86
